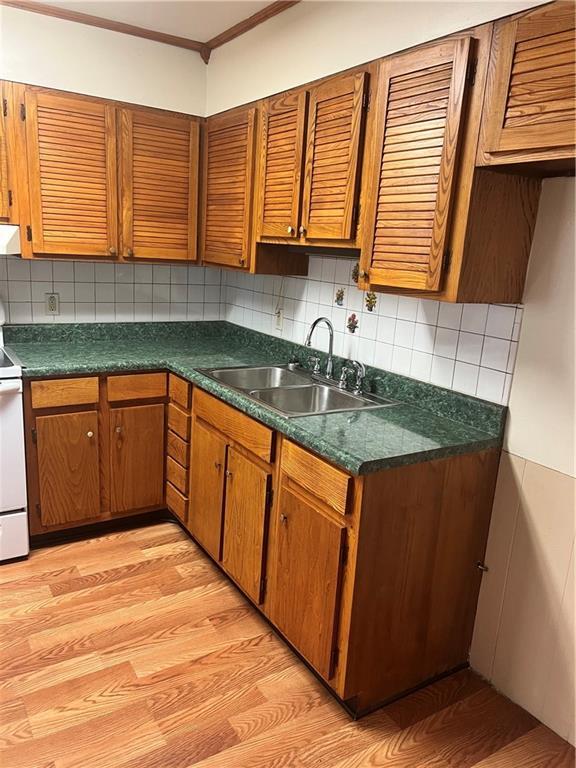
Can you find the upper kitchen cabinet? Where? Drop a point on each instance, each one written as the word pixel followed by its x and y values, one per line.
pixel 228 188
pixel 530 105
pixel 4 187
pixel 434 224
pixel 159 156
pixel 310 159
pixel 72 174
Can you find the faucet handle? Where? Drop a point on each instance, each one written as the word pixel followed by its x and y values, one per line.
pixel 344 377
pixel 316 361
pixel 360 375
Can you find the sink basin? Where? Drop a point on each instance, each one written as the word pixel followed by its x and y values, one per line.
pixel 313 399
pixel 265 377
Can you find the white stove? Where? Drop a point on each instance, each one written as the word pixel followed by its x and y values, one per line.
pixel 14 540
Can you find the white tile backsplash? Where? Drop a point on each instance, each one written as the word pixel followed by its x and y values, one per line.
pixel 466 347
pixel 95 292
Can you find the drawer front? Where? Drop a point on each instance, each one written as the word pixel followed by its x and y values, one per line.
pixel 177 475
pixel 176 502
pixel 179 421
pixel 180 391
pixel 136 386
pixel 330 485
pixel 53 393
pixel 251 434
pixel 178 449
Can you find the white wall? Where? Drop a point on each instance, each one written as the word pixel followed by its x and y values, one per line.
pixel 74 57
pixel 314 39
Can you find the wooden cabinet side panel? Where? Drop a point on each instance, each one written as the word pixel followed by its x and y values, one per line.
pixel 136 457
pixel 4 186
pixel 423 528
pixel 245 523
pixel 68 467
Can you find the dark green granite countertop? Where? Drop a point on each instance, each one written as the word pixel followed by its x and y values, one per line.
pixel 429 423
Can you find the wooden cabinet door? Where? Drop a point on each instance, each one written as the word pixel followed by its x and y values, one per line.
pixel 159 185
pixel 307 565
pixel 410 176
pixel 71 143
pixel 4 204
pixel 333 158
pixel 136 457
pixel 530 99
pixel 245 522
pixel 68 467
pixel 207 468
pixel 282 150
pixel 228 188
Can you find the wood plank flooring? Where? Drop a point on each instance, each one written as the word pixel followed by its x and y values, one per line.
pixel 133 651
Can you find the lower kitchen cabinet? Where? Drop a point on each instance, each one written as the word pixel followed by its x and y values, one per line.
pixel 306 572
pixel 137 457
pixel 68 467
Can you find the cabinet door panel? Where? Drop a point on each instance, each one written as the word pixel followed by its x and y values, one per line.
pixel 332 158
pixel 159 183
pixel 68 468
pixel 71 144
pixel 207 487
pixel 4 207
pixel 307 564
pixel 418 116
pixel 530 95
pixel 283 126
pixel 228 186
pixel 137 457
pixel 245 522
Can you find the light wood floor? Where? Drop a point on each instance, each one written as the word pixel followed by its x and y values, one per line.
pixel 133 651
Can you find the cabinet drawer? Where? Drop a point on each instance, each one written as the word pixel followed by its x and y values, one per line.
pixel 54 393
pixel 321 479
pixel 177 475
pixel 176 502
pixel 180 391
pixel 178 449
pixel 136 386
pixel 251 434
pixel 178 421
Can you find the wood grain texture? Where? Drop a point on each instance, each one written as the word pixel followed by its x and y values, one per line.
pixel 180 391
pixel 68 467
pixel 4 186
pixel 54 393
pixel 249 433
pixel 159 178
pixel 206 682
pixel 178 449
pixel 136 386
pixel 137 457
pixel 530 103
pixel 179 421
pixel 321 479
pixel 72 174
pixel 410 173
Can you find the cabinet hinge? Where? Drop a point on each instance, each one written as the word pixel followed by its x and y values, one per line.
pixel 5 107
pixel 34 435
pixel 471 74
pixel 269 497
pixel 447 258
pixel 28 233
pixel 334 658
pixel 38 509
pixel 262 587
pixel 10 198
pixel 366 100
pixel 344 554
pixel 22 111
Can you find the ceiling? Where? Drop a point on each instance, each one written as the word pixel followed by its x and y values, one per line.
pixel 194 19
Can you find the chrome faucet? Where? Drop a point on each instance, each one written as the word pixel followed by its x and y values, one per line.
pixel 360 375
pixel 330 362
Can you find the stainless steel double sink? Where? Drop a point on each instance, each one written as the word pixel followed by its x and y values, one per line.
pixel 292 392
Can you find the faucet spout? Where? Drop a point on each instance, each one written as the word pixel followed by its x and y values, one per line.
pixel 330 361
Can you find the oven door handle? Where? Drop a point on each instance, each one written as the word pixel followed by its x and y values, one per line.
pixel 10 387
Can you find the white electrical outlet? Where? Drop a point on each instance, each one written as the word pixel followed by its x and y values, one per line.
pixel 52 303
pixel 279 319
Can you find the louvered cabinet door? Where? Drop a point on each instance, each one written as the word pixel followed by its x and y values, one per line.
pixel 332 158
pixel 282 148
pixel 72 174
pixel 408 195
pixel 159 185
pixel 530 100
pixel 228 188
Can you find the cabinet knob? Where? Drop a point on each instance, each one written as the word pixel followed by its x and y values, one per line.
pixel 218 465
pixel 129 253
pixel 241 261
pixel 283 519
pixel 290 230
pixel 112 251
pixel 90 433
pixel 302 231
pixel 228 474
pixel 363 274
pixel 118 430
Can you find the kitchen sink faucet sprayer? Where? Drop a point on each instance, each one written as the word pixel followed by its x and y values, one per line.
pixel 307 343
